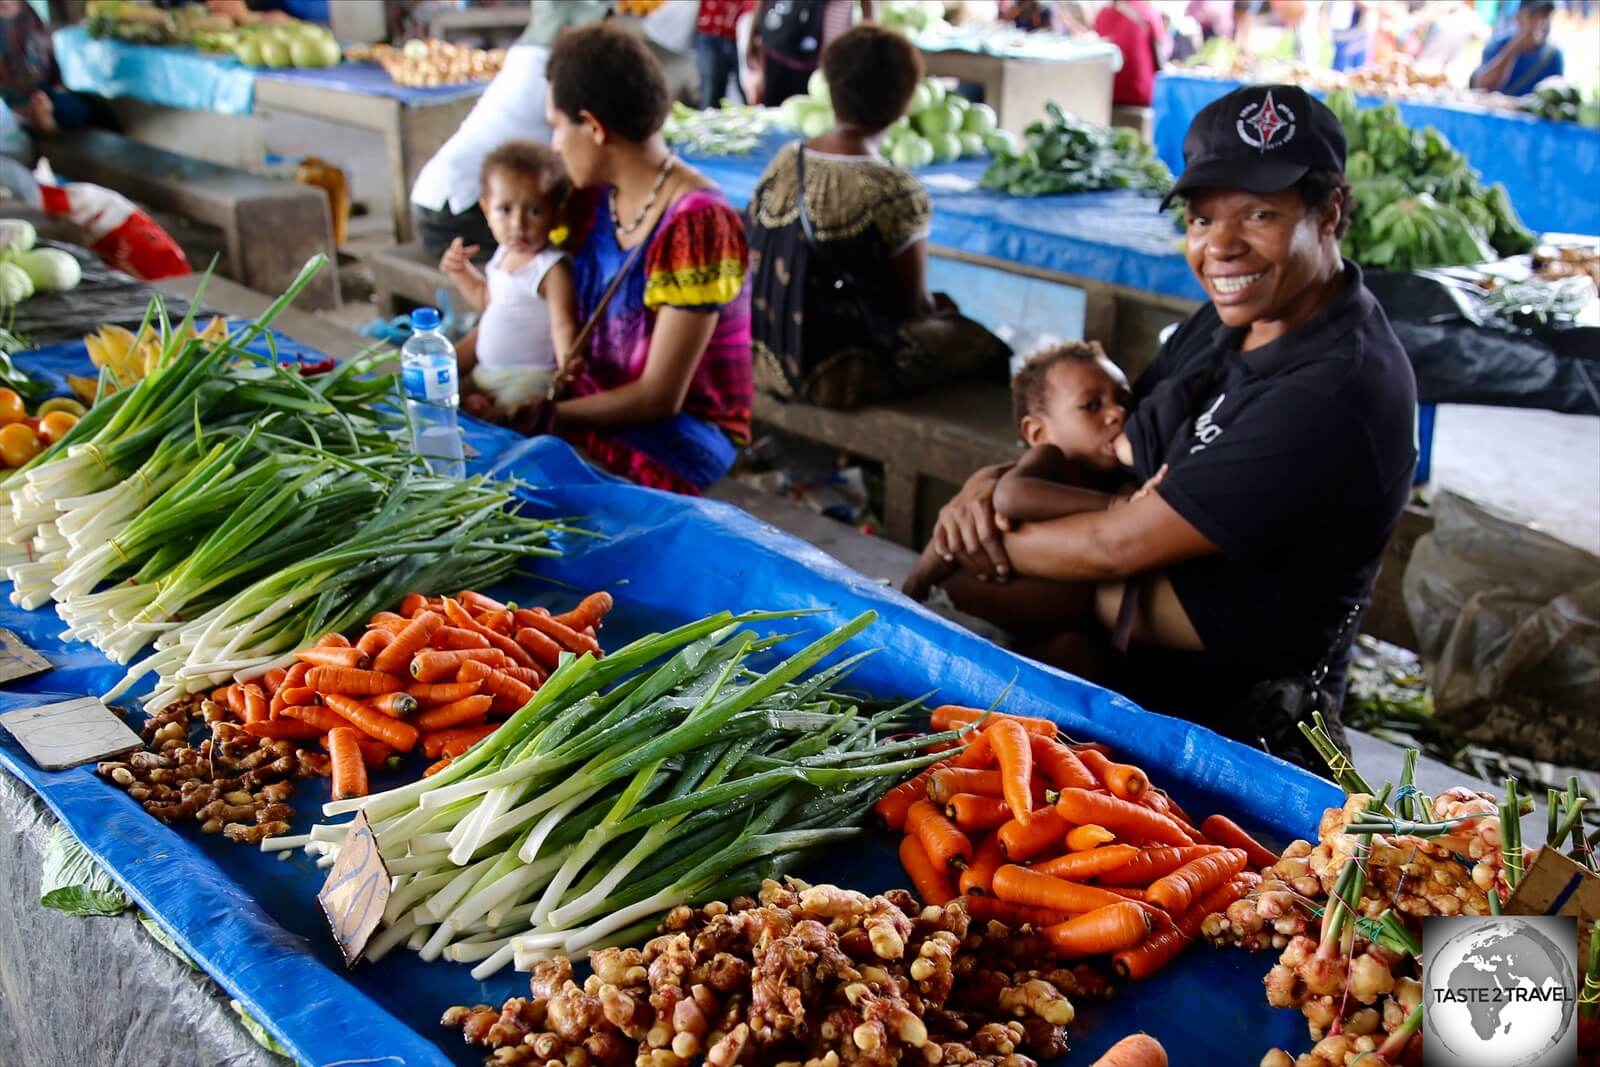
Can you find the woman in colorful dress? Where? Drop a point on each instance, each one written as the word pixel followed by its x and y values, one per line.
pixel 662 395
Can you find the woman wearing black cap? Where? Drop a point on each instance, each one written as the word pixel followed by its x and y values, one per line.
pixel 1276 425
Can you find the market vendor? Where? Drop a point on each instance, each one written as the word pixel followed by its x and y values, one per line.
pixel 1283 412
pixel 662 391
pixel 444 200
pixel 1516 62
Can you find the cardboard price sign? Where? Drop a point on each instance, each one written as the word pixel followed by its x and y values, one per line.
pixel 1555 885
pixel 70 732
pixel 356 892
pixel 17 660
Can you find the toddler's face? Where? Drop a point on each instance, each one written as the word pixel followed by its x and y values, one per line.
pixel 1083 413
pixel 520 214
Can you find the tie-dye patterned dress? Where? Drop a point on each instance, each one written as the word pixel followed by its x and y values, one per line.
pixel 695 258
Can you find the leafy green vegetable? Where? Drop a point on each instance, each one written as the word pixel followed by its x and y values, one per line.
pixel 73 882
pixel 1068 155
pixel 256 1030
pixel 164 939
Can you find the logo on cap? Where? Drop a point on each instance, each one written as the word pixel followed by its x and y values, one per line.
pixel 1266 125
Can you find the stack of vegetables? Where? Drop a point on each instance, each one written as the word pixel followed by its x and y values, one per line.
pixel 1027 828
pixel 730 130
pixel 1068 155
pixel 938 127
pixel 26 270
pixel 23 436
pixel 427 678
pixel 229 511
pixel 629 786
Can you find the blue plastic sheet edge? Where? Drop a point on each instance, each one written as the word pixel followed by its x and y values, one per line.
pixel 323 1018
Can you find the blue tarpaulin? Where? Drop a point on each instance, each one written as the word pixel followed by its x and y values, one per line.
pixel 251 920
pixel 181 77
pixel 1117 237
pixel 1551 169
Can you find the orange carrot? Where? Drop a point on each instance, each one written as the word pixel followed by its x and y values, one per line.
pixel 416 602
pixel 333 640
pixel 1022 886
pixel 477 603
pixel 929 879
pixel 461 738
pixel 437 766
pixel 1088 837
pixel 1077 866
pixel 375 754
pixel 1224 831
pixel 459 713
pixel 1135 1050
pixel 351 682
pixel 349 769
pixel 544 651
pixel 532 677
pixel 236 700
pixel 563 635
pixel 1025 842
pixel 952 780
pixel 272 680
pixel 954 716
pixel 275 704
pixel 1015 757
pixel 388 620
pixel 591 611
pixel 398 705
pixel 255 703
pixel 316 715
pixel 374 641
pixel 431 666
pixel 1126 819
pixel 296 675
pixel 1154 863
pixel 448 637
pixel 408 642
pixel 393 732
pixel 978 755
pixel 1109 929
pixel 986 859
pixel 509 694
pixel 329 656
pixel 891 808
pixel 433 694
pixel 983 909
pixel 1060 766
pixel 296 694
pixel 975 813
pixel 946 845
pixel 1173 893
pixel 219 695
pixel 513 651
pixel 1162 948
pixel 283 730
pixel 498 621
pixel 1123 779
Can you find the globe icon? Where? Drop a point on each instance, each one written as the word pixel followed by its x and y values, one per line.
pixel 1500 993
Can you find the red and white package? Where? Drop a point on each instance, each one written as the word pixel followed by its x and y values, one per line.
pixel 121 234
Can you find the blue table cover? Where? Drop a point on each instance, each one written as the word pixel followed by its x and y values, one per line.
pixel 251 921
pixel 1118 237
pixel 180 77
pixel 1551 169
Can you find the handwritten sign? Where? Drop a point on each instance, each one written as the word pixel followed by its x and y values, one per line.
pixel 357 890
pixel 68 733
pixel 17 660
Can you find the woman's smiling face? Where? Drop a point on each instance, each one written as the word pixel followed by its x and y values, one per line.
pixel 1256 253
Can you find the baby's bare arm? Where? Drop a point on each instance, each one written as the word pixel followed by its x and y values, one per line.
pixel 1033 491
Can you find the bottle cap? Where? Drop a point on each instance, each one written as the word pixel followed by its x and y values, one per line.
pixel 425 319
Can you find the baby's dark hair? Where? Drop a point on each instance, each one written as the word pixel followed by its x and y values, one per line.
pixel 532 159
pixel 1028 387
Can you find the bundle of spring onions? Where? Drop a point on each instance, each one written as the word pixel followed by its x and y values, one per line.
pixel 229 511
pixel 622 790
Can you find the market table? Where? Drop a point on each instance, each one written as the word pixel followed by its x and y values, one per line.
pixel 413 122
pixel 1020 73
pixel 249 919
pixel 1551 169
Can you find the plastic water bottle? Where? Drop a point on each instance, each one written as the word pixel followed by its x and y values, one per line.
pixel 433 391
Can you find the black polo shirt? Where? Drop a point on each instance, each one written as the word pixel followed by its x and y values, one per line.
pixel 1295 459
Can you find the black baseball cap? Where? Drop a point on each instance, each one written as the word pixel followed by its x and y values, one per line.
pixel 1261 138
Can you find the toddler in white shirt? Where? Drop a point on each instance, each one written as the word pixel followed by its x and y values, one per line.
pixel 527 293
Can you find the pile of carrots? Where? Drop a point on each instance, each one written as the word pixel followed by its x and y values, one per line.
pixel 435 677
pixel 1027 827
